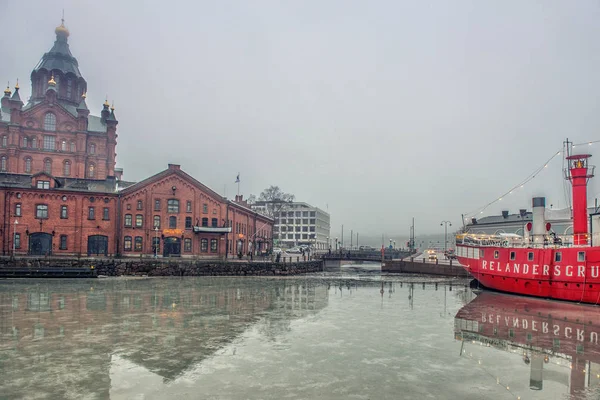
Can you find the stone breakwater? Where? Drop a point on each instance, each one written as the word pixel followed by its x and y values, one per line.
pixel 137 267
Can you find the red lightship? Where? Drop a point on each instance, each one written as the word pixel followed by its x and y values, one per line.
pixel 541 265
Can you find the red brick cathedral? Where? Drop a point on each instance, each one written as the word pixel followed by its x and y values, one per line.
pixel 60 193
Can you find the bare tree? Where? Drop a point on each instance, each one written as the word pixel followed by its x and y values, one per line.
pixel 275 201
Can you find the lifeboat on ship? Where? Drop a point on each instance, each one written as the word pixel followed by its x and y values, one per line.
pixel 541 264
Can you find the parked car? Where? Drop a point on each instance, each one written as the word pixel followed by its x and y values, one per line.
pixel 277 250
pixel 294 250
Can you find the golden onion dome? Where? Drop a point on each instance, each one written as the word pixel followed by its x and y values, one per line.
pixel 106 104
pixel 7 90
pixel 62 29
pixel 52 82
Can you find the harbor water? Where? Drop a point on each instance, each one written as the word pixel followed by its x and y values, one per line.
pixel 354 334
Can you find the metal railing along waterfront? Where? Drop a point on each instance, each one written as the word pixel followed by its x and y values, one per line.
pixel 483 240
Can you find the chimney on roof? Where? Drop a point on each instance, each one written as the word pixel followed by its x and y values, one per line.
pixel 174 166
pixel 118 174
pixel 505 214
pixel 474 221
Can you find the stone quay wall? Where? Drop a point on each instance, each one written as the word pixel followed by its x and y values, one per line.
pixel 415 267
pixel 154 267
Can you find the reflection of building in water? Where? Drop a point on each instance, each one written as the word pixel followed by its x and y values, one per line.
pixel 67 332
pixel 541 332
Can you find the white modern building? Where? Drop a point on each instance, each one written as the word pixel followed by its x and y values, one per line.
pixel 297 223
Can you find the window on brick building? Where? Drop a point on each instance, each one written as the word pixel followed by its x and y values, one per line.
pixel 106 214
pixel 67 168
pixel 188 206
pixel 188 222
pixel 214 245
pixel 187 245
pixel 205 208
pixel 49 142
pixel 140 205
pixel 91 213
pixel 3 163
pixel 157 205
pixel 92 148
pixel 173 205
pixel 172 222
pixel 63 145
pixel 72 146
pixel 34 143
pixel 43 184
pixel 64 212
pixel 214 222
pixel 41 211
pixel 48 166
pixel 27 165
pixel 204 221
pixel 17 240
pixel 127 243
pixel 128 220
pixel 18 210
pixel 138 243
pixel 204 245
pixel 25 142
pixel 139 221
pixel 63 242
pixel 4 141
pixel 156 221
pixel 91 171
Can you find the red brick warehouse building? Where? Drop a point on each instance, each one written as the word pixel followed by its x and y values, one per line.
pixel 60 193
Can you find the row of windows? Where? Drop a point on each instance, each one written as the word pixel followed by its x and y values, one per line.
pixel 172 221
pixel 172 206
pixel 91 170
pixel 137 244
pixel 294 236
pixel 49 143
pixel 41 212
pixel 305 221
pixel 298 229
pixel 531 255
pixel 295 214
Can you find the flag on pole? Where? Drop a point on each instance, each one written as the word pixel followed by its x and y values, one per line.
pixel 237 180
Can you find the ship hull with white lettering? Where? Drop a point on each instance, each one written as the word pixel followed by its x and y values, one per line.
pixel 540 263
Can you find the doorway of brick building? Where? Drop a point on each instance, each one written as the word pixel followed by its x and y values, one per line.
pixel 40 244
pixel 97 245
pixel 172 247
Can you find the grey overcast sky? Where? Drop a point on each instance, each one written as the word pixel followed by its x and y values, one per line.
pixel 375 110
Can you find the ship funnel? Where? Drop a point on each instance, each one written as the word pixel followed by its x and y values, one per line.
pixel 579 172
pixel 539 220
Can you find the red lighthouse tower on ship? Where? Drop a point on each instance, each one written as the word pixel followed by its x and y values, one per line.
pixel 541 265
pixel 579 174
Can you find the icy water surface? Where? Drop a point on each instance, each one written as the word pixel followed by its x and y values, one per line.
pixel 326 336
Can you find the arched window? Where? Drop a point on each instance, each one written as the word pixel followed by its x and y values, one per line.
pixel 48 166
pixel 69 88
pixel 4 141
pixel 91 170
pixel 25 142
pixel 34 143
pixel 157 221
pixel 92 148
pixel 3 163
pixel 67 168
pixel 73 147
pixel 63 145
pixel 50 122
pixel 173 205
pixel 28 165
pixel 173 222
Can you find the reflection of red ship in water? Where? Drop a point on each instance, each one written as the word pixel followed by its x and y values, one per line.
pixel 544 334
pixel 540 263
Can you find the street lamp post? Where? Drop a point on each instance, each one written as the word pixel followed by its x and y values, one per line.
pixel 156 242
pixel 15 237
pixel 336 244
pixel 390 243
pixel 445 224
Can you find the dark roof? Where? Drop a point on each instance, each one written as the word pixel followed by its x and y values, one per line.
pixel 59 58
pixel 70 184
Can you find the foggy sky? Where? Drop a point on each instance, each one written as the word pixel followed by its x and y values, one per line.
pixel 375 111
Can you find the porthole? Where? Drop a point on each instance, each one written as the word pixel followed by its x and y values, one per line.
pixel 64 198
pixel 18 195
pixel 92 199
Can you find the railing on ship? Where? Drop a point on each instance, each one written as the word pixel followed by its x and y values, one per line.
pixel 483 240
